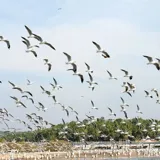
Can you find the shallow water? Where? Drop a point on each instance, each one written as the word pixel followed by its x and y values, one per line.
pixel 146 158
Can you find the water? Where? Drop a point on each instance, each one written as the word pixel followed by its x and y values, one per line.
pixel 146 158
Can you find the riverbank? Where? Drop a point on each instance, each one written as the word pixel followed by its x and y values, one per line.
pixel 98 154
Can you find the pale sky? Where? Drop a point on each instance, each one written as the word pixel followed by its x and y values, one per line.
pixel 126 29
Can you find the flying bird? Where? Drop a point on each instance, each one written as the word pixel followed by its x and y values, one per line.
pixel 88 68
pixel 48 63
pixel 69 58
pixel 111 77
pixel 6 41
pixel 148 95
pixel 127 74
pixel 138 109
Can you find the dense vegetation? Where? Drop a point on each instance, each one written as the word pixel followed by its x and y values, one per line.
pixel 91 130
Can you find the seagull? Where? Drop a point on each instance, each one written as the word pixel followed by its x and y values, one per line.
pixel 93 107
pixel 69 58
pixel 29 82
pixel 31 34
pixel 88 68
pixel 127 74
pixel 124 104
pixel 48 63
pixel 111 77
pixel 56 86
pixel 5 40
pixel 18 102
pixel 150 59
pixel 138 109
pixel 56 102
pixel 74 69
pixel 43 42
pixel 111 112
pixel 15 87
pixel 104 53
pixel 148 95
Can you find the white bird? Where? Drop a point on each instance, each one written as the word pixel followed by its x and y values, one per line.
pixel 148 95
pixel 15 87
pixel 99 50
pixel 18 102
pixel 150 59
pixel 112 113
pixel 124 104
pixel 111 77
pixel 6 41
pixel 127 74
pixel 88 68
pixel 93 107
pixel 69 58
pixel 56 86
pixel 56 102
pixel 138 109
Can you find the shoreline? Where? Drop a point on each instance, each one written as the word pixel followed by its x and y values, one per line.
pixel 91 154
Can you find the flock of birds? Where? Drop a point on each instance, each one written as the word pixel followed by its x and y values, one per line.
pixel 36 121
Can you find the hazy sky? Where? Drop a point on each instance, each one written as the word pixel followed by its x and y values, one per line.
pixel 126 29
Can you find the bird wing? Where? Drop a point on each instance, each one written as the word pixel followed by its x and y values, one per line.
pixel 92 103
pixel 42 88
pixel 138 107
pixel 68 56
pixel 88 67
pixel 48 44
pixel 26 40
pixel 110 109
pixel 125 114
pixel 49 66
pixel 150 59
pixel 67 112
pixel 97 45
pixel 147 92
pixel 109 73
pixel 8 44
pixel 18 88
pixel 54 98
pixel 126 72
pixel 74 67
pixel 55 81
pixel 129 94
pixel 34 52
pixel 90 77
pixel 122 99
pixel 28 93
pixel 22 104
pixel 81 77
pixel 105 54
pixel 63 121
pixel 32 100
pixel 157 66
pixel 37 37
pixel 28 30
pixel 11 83
pixel 15 98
